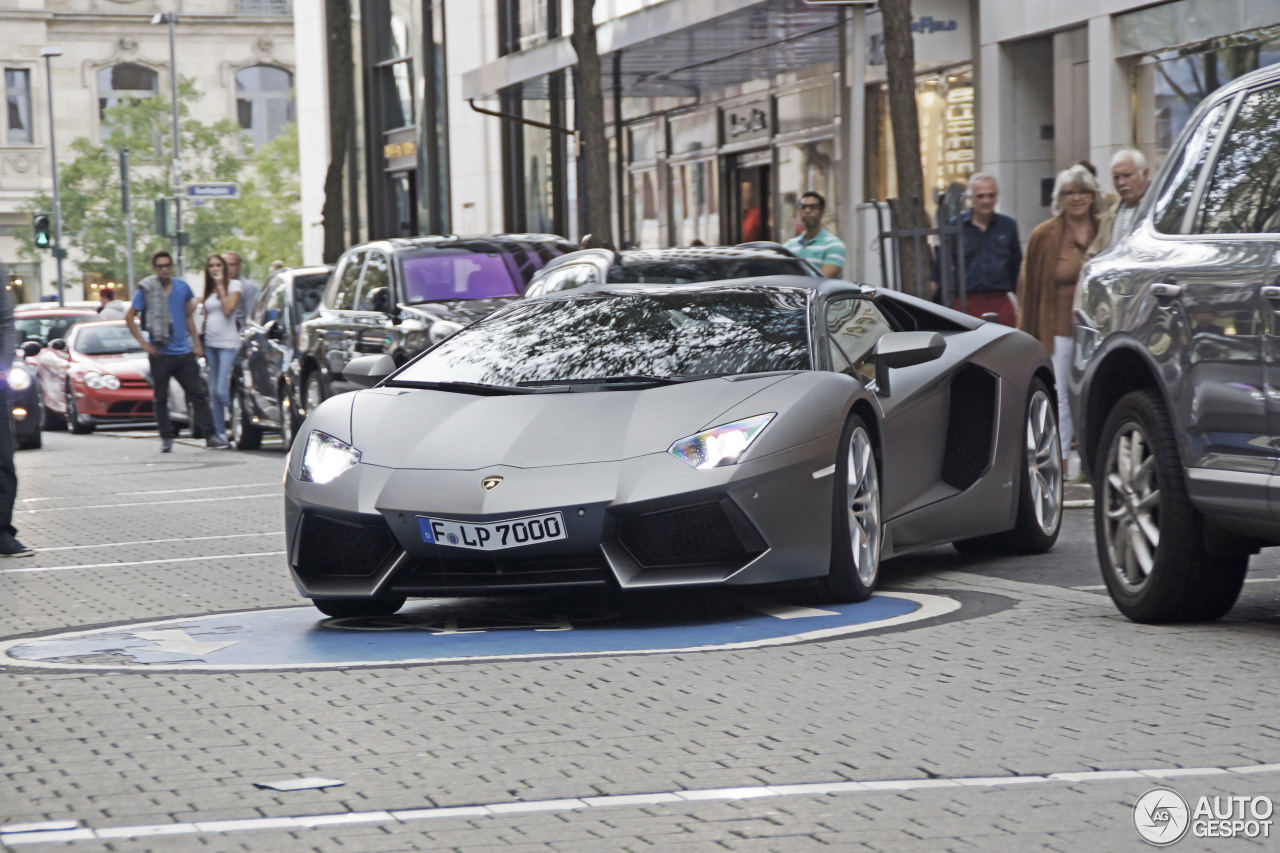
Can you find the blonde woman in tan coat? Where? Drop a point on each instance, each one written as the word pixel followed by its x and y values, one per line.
pixel 1050 271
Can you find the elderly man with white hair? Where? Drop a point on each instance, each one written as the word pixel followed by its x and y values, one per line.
pixel 1131 176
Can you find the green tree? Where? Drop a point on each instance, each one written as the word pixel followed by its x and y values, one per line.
pixel 93 225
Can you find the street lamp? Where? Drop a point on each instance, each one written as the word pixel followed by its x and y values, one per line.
pixel 171 19
pixel 58 252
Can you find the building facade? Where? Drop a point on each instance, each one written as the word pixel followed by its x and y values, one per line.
pixel 239 53
pixel 721 112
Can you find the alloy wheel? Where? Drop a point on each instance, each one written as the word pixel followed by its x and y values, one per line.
pixel 862 498
pixel 237 418
pixel 1131 496
pixel 286 420
pixel 1044 462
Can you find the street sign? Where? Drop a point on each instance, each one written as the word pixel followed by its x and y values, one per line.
pixel 214 189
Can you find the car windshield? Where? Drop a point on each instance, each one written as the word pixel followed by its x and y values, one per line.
pixel 106 340
pixel 705 269
pixel 45 329
pixel 664 334
pixel 444 274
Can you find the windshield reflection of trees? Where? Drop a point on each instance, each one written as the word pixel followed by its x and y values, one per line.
pixel 667 334
pixel 1244 193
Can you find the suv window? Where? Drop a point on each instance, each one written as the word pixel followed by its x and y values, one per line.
pixel 1243 193
pixel 854 326
pixel 375 287
pixel 345 283
pixel 1172 201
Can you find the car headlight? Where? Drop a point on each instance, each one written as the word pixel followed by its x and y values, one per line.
pixel 110 381
pixel 19 379
pixel 325 457
pixel 93 379
pixel 720 445
pixel 441 329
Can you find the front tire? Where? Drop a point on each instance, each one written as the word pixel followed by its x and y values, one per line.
pixel 1040 486
pixel 245 434
pixel 314 392
pixel 288 424
pixel 77 422
pixel 348 607
pixel 856 528
pixel 1151 543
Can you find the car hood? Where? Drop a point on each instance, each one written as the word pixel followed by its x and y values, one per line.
pixel 125 366
pixel 462 311
pixel 406 428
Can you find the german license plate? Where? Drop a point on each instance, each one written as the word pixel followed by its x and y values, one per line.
pixel 492 535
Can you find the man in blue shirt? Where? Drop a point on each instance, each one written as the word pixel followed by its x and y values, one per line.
pixel 992 255
pixel 168 309
pixel 822 249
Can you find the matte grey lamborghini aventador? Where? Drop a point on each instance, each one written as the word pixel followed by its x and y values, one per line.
pixel 745 432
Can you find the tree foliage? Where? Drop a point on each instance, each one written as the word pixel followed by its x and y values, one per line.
pixel 262 225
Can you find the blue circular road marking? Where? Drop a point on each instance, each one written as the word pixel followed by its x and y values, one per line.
pixel 447 630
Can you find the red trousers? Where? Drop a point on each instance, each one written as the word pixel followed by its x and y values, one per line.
pixel 998 303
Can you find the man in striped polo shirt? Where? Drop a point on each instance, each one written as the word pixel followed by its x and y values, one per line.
pixel 817 245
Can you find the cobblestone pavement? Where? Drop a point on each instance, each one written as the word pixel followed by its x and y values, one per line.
pixel 748 750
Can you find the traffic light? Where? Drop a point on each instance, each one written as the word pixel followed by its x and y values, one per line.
pixel 164 217
pixel 42 224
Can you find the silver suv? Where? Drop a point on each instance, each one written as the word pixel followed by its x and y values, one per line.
pixel 1175 384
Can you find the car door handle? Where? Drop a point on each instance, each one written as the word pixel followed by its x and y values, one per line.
pixel 1164 290
pixel 1271 291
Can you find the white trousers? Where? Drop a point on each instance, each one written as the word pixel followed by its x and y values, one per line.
pixel 1062 347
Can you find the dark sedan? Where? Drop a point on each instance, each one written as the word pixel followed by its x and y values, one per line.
pixel 666 266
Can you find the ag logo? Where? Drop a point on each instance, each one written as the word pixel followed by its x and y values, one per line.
pixel 1161 817
pixel 490 483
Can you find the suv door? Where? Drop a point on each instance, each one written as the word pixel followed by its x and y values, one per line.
pixel 1229 293
pixel 367 323
pixel 335 326
pixel 267 349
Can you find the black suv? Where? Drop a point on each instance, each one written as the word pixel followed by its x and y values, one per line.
pixel 265 379
pixel 1175 381
pixel 400 296
pixel 666 266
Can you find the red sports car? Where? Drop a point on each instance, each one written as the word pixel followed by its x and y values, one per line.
pixel 97 374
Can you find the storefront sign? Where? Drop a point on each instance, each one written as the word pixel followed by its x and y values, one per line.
pixel 940 32
pixel 748 121
pixel 400 150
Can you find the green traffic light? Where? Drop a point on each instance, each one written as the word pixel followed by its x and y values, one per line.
pixel 44 237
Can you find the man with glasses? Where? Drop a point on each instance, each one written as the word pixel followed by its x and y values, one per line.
pixel 992 255
pixel 822 249
pixel 168 309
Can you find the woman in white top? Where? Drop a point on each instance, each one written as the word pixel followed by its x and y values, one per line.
pixel 221 337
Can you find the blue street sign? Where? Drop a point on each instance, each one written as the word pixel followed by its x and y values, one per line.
pixel 214 189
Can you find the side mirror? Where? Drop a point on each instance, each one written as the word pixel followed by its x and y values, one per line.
pixel 369 370
pixel 59 344
pixel 904 349
pixel 273 330
pixel 31 349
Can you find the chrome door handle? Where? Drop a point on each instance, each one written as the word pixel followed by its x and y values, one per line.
pixel 1164 290
pixel 1271 291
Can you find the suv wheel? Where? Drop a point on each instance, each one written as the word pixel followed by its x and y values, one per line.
pixel 314 392
pixel 1150 537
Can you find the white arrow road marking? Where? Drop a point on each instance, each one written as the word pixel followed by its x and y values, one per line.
pixel 179 641
pixel 790 611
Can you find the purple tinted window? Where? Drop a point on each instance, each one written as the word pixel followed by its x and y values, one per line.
pixel 442 276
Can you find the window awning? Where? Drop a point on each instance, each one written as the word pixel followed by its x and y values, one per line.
pixel 681 48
